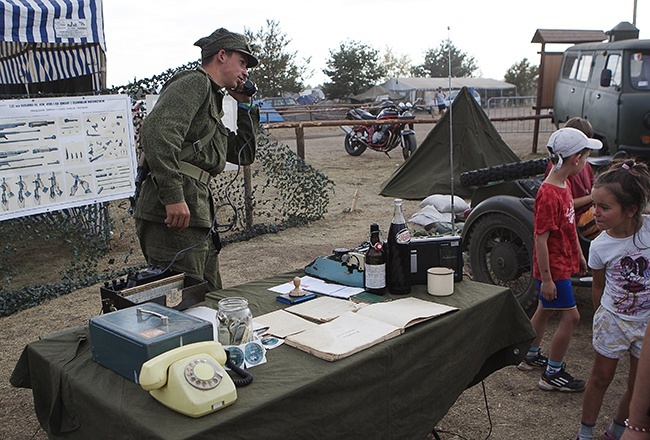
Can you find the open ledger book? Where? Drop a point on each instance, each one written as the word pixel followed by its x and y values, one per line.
pixel 354 331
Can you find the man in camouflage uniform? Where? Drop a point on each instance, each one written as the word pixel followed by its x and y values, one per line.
pixel 185 142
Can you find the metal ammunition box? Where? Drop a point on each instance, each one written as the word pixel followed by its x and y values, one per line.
pixel 172 289
pixel 125 339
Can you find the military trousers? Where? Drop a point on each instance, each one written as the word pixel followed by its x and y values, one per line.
pixel 191 250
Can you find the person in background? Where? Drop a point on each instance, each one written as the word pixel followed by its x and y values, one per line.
pixel 439 98
pixel 638 422
pixel 581 185
pixel 185 143
pixel 620 262
pixel 556 256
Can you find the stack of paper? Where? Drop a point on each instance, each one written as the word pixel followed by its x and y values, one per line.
pixel 316 285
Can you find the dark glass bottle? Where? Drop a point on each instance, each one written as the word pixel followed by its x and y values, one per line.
pixel 374 276
pixel 398 269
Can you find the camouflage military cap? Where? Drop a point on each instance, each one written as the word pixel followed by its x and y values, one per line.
pixel 226 40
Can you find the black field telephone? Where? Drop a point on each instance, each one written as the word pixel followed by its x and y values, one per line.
pixel 249 88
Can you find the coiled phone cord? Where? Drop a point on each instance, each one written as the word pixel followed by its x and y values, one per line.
pixel 246 377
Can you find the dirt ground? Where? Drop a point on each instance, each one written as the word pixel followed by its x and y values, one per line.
pixel 512 407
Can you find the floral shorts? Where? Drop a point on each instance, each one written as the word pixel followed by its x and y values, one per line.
pixel 613 336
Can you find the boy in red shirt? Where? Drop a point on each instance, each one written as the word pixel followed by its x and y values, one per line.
pixel 556 256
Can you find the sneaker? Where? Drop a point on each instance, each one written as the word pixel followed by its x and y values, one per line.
pixel 529 364
pixel 561 381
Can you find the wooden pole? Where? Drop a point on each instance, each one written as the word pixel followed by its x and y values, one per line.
pixel 248 196
pixel 355 199
pixel 300 141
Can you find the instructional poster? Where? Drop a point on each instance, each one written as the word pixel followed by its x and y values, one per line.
pixel 58 153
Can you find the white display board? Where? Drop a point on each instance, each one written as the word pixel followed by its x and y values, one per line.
pixel 58 153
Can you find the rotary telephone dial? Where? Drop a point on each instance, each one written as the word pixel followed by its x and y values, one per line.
pixel 191 379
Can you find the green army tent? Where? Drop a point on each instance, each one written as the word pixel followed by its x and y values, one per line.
pixel 376 93
pixel 477 144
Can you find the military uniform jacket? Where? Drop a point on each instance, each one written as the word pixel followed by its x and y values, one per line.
pixel 190 107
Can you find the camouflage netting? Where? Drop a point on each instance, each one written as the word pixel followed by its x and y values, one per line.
pixel 99 240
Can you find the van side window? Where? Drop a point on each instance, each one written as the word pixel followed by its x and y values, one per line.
pixel 640 70
pixel 570 66
pixel 584 68
pixel 614 65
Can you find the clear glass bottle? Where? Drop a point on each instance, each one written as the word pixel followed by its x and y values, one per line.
pixel 398 268
pixel 235 321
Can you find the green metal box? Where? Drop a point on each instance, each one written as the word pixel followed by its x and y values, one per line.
pixel 125 339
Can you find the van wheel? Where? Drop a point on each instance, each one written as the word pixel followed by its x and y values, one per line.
pixel 501 253
pixel 509 171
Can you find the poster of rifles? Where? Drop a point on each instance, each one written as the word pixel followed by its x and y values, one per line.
pixel 57 153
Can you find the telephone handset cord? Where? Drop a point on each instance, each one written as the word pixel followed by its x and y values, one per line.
pixel 246 376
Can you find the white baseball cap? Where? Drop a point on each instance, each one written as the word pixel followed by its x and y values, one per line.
pixel 568 141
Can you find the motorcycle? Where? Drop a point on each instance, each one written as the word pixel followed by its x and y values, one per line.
pixel 381 137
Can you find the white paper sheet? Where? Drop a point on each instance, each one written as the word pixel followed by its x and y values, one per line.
pixel 316 285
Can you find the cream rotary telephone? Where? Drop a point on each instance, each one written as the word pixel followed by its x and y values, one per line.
pixel 190 379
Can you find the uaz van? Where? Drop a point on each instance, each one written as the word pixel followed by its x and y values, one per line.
pixel 608 84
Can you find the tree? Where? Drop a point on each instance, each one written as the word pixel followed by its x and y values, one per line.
pixel 436 62
pixel 397 66
pixel 524 76
pixel 278 71
pixel 354 68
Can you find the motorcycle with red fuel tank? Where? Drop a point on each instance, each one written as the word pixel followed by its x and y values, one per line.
pixel 381 137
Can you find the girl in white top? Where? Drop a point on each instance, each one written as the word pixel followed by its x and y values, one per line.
pixel 620 262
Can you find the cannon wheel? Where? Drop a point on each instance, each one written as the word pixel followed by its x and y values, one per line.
pixel 501 253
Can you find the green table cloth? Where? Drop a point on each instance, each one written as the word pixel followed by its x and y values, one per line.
pixel 398 389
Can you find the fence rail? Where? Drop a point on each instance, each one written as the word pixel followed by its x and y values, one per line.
pixel 512 115
pixel 299 126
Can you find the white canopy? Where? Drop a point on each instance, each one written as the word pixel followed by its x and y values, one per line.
pixel 51 40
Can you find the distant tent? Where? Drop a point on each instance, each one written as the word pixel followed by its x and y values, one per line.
pixel 377 93
pixel 269 114
pixel 477 144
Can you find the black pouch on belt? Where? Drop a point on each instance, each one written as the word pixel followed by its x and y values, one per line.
pixel 216 240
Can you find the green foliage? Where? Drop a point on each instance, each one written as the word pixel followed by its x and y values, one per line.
pixel 278 70
pixel 396 66
pixel 523 75
pixel 354 68
pixel 436 62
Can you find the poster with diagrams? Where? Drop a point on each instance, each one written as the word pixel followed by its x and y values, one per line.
pixel 57 153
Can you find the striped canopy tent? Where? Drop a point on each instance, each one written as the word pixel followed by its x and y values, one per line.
pixel 52 47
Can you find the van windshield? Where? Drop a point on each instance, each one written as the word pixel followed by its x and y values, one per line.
pixel 640 70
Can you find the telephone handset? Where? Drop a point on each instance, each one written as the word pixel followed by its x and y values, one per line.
pixel 190 379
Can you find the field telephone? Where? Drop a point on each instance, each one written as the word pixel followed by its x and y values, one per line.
pixel 190 379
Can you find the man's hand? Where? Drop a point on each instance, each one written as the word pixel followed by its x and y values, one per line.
pixel 178 216
pixel 239 96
